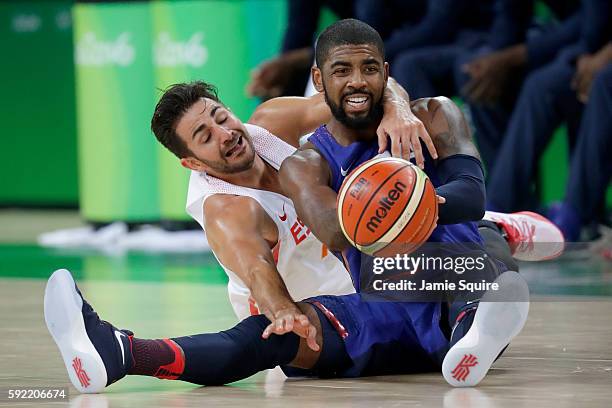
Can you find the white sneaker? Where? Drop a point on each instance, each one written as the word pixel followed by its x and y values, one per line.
pixel 531 237
pixel 95 353
pixel 499 318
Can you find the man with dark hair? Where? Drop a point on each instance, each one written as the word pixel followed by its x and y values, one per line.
pixel 347 32
pixel 235 196
pixel 176 101
pixel 353 74
pixel 238 199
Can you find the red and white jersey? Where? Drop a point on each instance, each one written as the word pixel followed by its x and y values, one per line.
pixel 307 267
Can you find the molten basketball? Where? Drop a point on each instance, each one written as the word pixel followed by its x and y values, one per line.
pixel 387 206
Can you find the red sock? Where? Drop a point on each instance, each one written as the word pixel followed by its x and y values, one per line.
pixel 157 358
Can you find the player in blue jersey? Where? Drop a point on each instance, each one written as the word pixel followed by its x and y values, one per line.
pixel 352 73
pixel 337 336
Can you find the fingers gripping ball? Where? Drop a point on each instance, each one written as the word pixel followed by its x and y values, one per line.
pixel 387 206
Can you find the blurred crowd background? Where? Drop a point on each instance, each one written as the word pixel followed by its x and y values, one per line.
pixel 80 81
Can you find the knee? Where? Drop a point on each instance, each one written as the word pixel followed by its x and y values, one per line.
pixel 306 358
pixel 310 312
pixel 460 75
pixel 546 83
pixel 604 77
pixel 602 83
pixel 535 83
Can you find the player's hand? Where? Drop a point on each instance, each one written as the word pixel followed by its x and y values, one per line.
pixel 267 79
pixel 490 74
pixel 270 78
pixel 587 67
pixel 406 132
pixel 293 320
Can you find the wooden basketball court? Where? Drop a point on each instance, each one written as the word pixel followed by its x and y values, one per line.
pixel 563 357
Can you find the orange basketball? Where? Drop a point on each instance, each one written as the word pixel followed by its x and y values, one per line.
pixel 387 206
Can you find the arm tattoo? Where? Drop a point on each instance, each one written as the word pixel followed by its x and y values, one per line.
pixel 449 130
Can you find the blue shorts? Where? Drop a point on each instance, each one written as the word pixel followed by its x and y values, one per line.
pixel 382 337
pixel 386 337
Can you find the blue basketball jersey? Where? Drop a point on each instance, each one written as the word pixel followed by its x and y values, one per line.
pixel 343 159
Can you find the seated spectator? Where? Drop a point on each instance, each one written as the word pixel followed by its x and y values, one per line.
pixel 422 54
pixel 288 73
pixel 591 167
pixel 389 16
pixel 546 101
pixel 489 77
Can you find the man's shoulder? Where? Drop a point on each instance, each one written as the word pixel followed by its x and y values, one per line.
pixel 428 107
pixel 229 207
pixel 306 156
pixel 446 126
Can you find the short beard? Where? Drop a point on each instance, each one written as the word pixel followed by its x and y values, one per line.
pixel 373 116
pixel 223 167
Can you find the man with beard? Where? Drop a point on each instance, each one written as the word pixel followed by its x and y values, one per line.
pixel 235 195
pixel 352 74
pixel 340 336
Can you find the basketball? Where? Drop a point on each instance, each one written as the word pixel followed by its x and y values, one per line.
pixel 387 206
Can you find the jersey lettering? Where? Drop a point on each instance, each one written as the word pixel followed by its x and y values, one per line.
pixel 299 231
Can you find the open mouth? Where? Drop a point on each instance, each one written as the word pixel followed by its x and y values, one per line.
pixel 357 102
pixel 237 148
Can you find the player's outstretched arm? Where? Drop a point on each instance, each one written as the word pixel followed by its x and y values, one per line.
pixel 289 118
pixel 458 165
pixel 241 234
pixel 304 178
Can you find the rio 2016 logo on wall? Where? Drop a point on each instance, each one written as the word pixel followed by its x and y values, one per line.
pixel 170 53
pixel 26 23
pixel 91 51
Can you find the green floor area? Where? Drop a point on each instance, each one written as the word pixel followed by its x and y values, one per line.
pixel 32 261
pixel 586 276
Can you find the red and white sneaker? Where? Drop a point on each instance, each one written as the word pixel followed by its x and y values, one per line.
pixel 500 317
pixel 531 236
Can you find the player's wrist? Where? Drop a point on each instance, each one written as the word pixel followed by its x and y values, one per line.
pixel 395 108
pixel 284 309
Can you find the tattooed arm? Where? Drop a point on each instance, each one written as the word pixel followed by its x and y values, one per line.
pixel 458 166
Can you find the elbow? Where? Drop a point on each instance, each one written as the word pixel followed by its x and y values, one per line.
pixel 338 243
pixel 475 210
pixel 462 206
pixel 476 203
pixel 334 240
pixel 478 212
